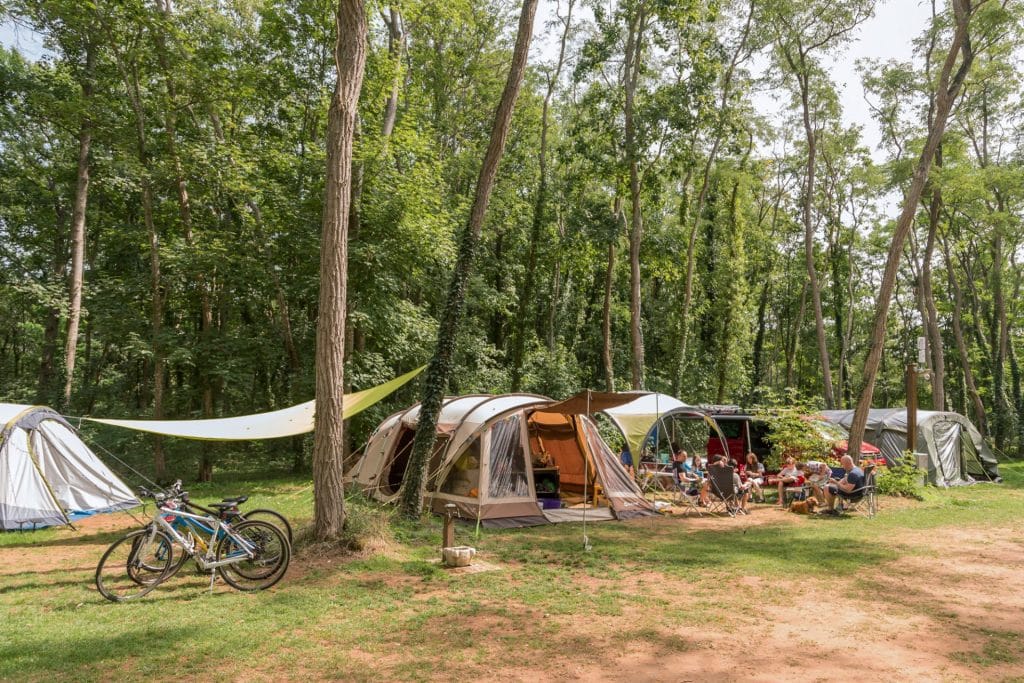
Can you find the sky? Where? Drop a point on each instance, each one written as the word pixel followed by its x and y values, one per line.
pixel 887 35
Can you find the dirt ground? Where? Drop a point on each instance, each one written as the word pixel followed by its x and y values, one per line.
pixel 831 631
pixel 950 608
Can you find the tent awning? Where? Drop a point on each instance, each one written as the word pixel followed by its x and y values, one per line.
pixel 589 402
pixel 285 422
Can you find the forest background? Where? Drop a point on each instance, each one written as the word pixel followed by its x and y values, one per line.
pixel 652 225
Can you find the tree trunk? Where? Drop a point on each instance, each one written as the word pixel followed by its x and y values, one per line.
pixel 77 274
pixel 556 286
pixel 45 394
pixel 758 362
pixel 439 370
pixel 523 313
pixel 606 321
pixel 702 196
pixel 633 60
pixel 812 271
pixel 396 40
pixel 328 491
pixel 947 91
pixel 130 76
pixel 961 346
pixel 1000 338
pixel 932 318
pixel 794 340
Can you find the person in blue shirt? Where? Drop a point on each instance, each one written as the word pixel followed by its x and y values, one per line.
pixel 626 458
pixel 686 478
pixel 844 488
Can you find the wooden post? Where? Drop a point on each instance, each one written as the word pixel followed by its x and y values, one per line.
pixel 448 536
pixel 912 407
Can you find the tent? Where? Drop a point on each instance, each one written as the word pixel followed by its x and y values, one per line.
pixel 649 422
pixel 509 460
pixel 48 475
pixel 956 453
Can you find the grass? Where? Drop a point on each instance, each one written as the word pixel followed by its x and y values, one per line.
pixel 397 615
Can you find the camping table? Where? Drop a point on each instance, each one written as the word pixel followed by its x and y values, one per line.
pixel 658 477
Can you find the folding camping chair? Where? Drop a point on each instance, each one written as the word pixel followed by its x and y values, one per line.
pixel 724 496
pixel 863 499
pixel 687 500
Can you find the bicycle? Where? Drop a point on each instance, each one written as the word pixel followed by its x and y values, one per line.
pixel 227 510
pixel 252 555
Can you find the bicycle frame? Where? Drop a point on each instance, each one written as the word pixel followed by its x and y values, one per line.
pixel 207 561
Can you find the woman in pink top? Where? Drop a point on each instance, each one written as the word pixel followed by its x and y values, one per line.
pixel 789 475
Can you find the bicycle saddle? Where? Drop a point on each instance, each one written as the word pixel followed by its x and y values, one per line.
pixel 223 506
pixel 237 500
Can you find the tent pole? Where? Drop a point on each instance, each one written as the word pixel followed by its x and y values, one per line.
pixel 586 482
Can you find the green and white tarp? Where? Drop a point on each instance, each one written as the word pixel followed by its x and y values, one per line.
pixel 639 419
pixel 48 475
pixel 298 419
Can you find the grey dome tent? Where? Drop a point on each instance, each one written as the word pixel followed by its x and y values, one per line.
pixel 956 453
pixel 48 475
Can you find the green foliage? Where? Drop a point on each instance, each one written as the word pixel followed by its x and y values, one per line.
pixel 901 479
pixel 246 84
pixel 792 435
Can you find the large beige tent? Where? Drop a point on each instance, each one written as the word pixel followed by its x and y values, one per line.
pixel 509 460
pixel 48 475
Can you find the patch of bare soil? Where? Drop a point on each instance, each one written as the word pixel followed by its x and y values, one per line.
pixel 950 609
pixel 66 549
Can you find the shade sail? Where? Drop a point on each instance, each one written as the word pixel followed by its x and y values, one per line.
pixel 285 422
pixel 636 419
pixel 590 402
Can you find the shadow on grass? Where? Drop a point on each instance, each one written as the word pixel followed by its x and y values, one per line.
pixel 80 539
pixel 75 657
pixel 821 548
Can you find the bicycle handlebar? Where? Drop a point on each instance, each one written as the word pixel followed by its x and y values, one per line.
pixel 174 492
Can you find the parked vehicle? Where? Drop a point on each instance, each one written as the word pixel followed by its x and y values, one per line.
pixel 745 433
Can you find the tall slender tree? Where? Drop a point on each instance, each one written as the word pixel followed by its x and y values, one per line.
pixel 955 68
pixel 801 30
pixel 439 369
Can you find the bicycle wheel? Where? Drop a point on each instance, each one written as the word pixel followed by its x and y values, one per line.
pixel 270 555
pixel 270 516
pixel 152 565
pixel 134 565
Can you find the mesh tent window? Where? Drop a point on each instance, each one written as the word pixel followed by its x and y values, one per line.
pixel 507 460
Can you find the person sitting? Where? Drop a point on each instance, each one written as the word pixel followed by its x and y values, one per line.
pixel 692 468
pixel 626 458
pixel 714 460
pixel 845 487
pixel 686 481
pixel 755 476
pixel 820 473
pixel 742 489
pixel 789 476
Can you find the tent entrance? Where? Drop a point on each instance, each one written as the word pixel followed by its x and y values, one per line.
pixel 394 470
pixel 556 444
